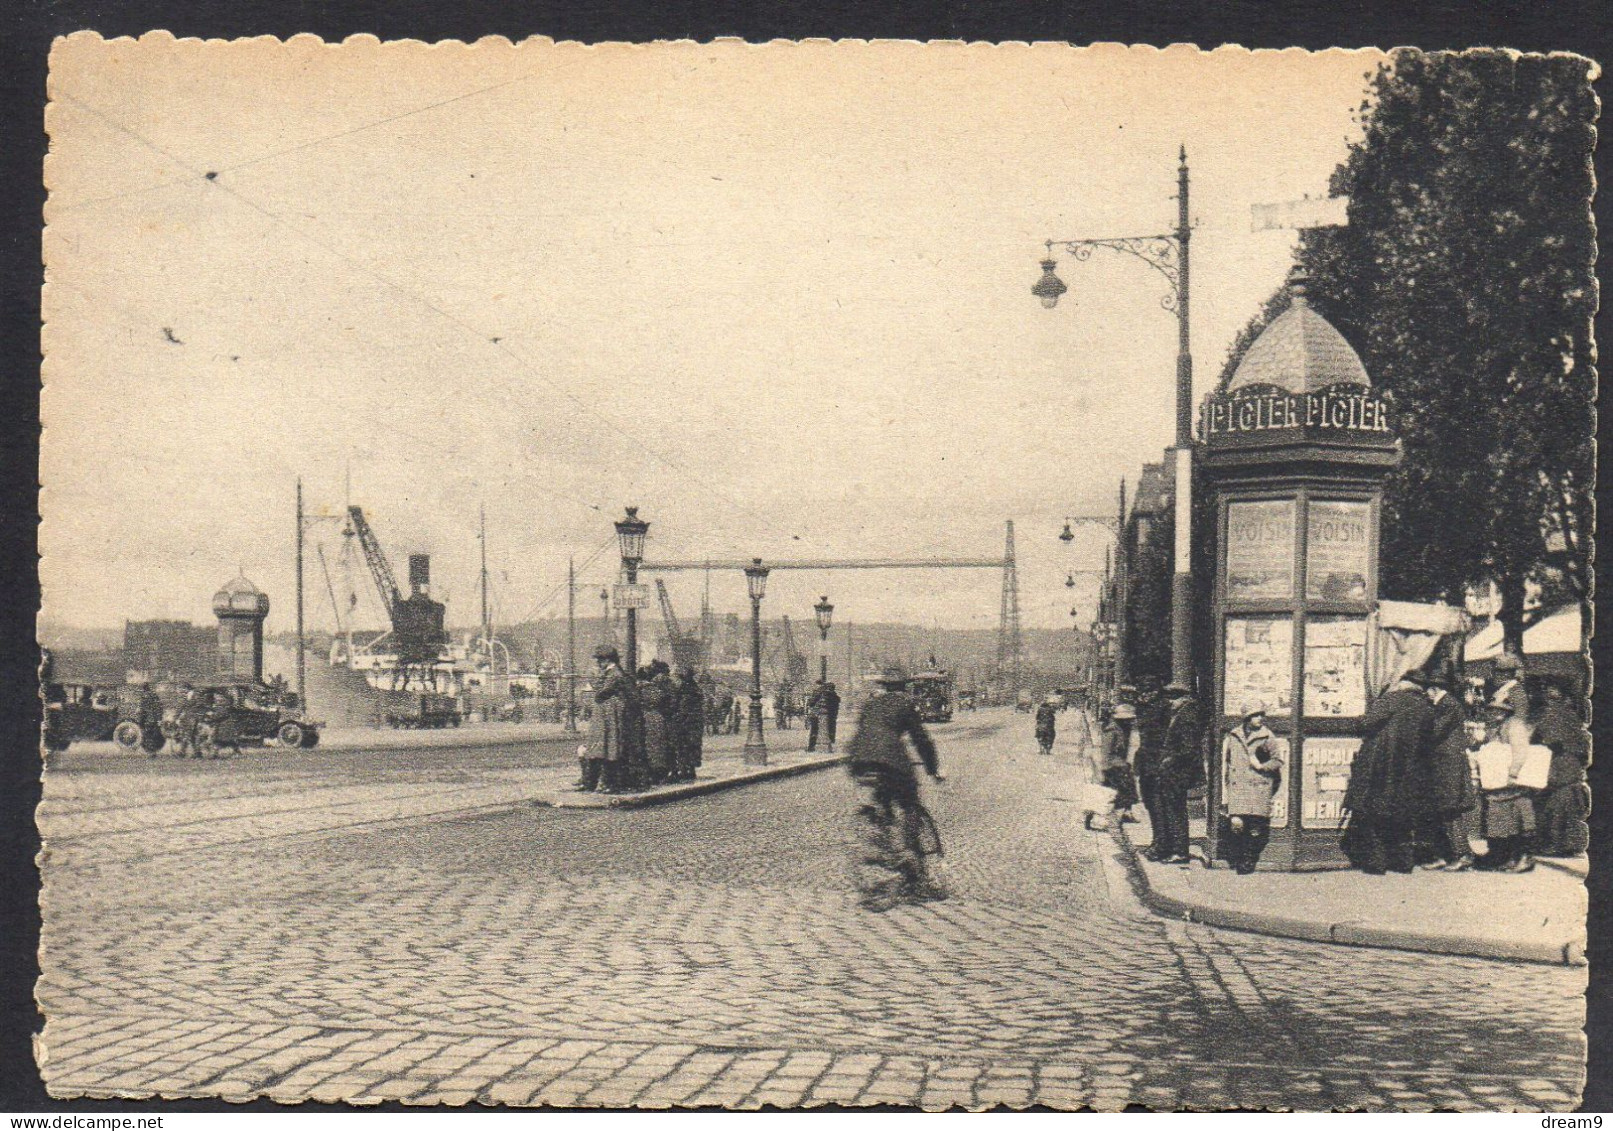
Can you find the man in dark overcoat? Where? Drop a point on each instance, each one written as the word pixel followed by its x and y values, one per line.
pixel 691 724
pixel 1181 764
pixel 1153 716
pixel 613 732
pixel 1389 786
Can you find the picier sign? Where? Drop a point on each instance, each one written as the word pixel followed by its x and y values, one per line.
pixel 1339 408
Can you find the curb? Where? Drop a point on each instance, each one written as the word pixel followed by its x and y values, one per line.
pixel 684 790
pixel 1348 933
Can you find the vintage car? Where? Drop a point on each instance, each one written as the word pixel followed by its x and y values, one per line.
pixel 240 714
pixel 77 712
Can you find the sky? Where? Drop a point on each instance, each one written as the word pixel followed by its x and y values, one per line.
pixel 776 296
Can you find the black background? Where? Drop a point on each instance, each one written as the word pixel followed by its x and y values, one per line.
pixel 26 31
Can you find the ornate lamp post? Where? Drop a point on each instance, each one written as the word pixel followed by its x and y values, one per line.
pixel 755 741
pixel 825 612
pixel 1167 254
pixel 630 531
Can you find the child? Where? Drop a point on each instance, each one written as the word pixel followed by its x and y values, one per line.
pixel 1509 812
pixel 1251 771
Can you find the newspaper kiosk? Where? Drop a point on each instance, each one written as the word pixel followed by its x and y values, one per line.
pixel 1296 450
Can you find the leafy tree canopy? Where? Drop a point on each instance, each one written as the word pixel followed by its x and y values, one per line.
pixel 1465 280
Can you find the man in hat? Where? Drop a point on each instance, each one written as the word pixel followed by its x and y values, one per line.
pixel 1180 767
pixel 1388 794
pixel 879 761
pixel 614 729
pixel 1153 715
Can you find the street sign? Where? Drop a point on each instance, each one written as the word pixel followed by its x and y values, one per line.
pixel 1327 212
pixel 625 596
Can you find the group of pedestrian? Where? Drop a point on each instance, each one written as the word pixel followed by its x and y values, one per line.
pixel 1419 796
pixel 200 725
pixel 1148 752
pixel 647 729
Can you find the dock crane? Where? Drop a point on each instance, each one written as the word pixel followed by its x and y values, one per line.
pixel 418 622
pixel 686 650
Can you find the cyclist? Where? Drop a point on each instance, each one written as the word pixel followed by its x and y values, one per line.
pixel 898 833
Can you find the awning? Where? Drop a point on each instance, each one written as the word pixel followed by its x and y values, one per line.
pixel 1557 632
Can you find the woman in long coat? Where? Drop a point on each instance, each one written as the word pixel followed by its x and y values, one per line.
pixel 1388 793
pixel 659 698
pixel 1251 774
pixel 1453 798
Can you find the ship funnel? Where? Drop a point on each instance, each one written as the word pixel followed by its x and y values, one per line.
pixel 420 573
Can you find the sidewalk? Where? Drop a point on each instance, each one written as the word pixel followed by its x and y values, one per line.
pixel 1538 916
pixel 722 767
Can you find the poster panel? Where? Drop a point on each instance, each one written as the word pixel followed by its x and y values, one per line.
pixel 1335 667
pixel 1336 551
pixel 1260 550
pixel 1259 664
pixel 1324 777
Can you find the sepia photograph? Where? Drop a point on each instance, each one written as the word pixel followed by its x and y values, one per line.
pixel 816 575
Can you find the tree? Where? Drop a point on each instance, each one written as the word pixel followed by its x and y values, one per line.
pixel 1464 279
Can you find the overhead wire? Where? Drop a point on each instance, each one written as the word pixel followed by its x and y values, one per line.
pixel 487 339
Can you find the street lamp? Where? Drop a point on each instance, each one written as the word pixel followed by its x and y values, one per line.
pixel 825 612
pixel 1168 255
pixel 630 532
pixel 756 586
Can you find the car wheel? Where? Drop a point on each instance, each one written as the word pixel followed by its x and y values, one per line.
pixel 310 738
pixel 291 735
pixel 128 734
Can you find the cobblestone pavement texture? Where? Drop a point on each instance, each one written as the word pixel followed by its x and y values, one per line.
pixel 710 953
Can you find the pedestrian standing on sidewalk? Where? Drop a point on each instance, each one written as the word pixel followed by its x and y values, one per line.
pixel 1509 811
pixel 812 716
pixel 829 713
pixel 1119 743
pixel 1452 821
pixel 1388 794
pixel 1251 774
pixel 1181 767
pixel 660 701
pixel 1153 716
pixel 1562 807
pixel 690 726
pixel 1046 725
pixel 612 729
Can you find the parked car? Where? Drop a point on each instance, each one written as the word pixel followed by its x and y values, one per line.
pixel 249 714
pixel 77 712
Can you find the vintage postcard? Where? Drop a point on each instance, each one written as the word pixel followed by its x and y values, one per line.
pixel 816 574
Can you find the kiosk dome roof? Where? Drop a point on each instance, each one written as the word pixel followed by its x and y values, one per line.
pixel 1300 351
pixel 239 584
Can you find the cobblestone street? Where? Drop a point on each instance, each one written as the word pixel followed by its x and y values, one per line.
pixel 710 953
